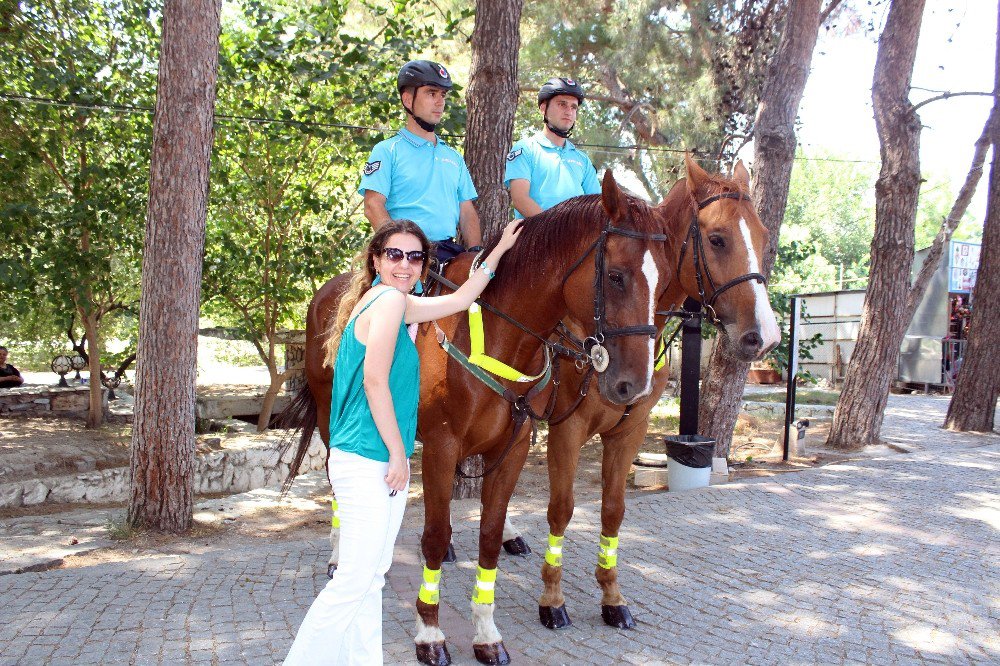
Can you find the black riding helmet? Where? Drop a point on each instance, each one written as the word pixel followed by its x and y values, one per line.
pixel 554 87
pixel 418 73
pixel 560 86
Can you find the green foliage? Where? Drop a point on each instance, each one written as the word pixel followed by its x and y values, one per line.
pixel 692 70
pixel 284 215
pixel 778 357
pixel 827 231
pixel 937 196
pixel 73 205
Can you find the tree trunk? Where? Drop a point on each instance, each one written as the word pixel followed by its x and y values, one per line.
pixel 163 444
pixel 491 102
pixel 857 420
pixel 948 225
pixel 95 413
pixel 774 155
pixel 267 406
pixel 978 383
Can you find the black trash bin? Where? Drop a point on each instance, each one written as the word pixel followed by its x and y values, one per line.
pixel 689 461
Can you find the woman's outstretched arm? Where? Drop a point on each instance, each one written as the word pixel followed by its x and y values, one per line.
pixel 435 307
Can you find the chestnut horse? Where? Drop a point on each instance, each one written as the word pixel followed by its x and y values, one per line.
pixel 716 240
pixel 597 259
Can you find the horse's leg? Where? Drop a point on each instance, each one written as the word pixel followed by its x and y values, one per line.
pixel 564 445
pixel 323 423
pixel 513 542
pixel 498 487
pixel 438 474
pixel 620 449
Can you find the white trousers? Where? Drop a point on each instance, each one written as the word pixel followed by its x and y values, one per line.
pixel 344 623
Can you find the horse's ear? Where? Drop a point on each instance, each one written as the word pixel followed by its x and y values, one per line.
pixel 612 197
pixel 741 176
pixel 697 177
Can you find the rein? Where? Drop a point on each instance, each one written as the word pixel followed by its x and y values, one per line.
pixel 594 354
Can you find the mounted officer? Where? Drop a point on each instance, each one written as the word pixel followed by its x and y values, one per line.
pixel 415 175
pixel 546 169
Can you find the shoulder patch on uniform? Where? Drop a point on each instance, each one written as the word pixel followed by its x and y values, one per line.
pixel 372 167
pixel 513 155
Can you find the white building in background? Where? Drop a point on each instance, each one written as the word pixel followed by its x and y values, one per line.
pixel 931 352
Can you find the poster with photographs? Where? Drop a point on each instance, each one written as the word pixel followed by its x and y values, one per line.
pixel 963 266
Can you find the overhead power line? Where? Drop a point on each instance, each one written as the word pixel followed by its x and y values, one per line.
pixel 145 110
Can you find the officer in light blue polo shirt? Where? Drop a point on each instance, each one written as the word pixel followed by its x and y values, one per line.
pixel 547 168
pixel 414 175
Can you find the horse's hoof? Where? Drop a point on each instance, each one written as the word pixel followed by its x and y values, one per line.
pixel 449 557
pixel 554 617
pixel 492 653
pixel 433 654
pixel 330 568
pixel 517 546
pixel 617 616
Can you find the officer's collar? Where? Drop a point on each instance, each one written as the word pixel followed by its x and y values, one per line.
pixel 413 139
pixel 545 142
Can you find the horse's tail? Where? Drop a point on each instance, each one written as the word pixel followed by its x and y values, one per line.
pixel 300 414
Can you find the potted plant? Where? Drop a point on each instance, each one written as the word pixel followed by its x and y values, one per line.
pixel 764 371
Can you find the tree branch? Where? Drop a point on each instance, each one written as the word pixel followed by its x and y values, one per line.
pixel 825 14
pixel 946 95
pixel 948 225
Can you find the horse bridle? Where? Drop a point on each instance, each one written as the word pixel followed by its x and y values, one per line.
pixel 596 355
pixel 594 345
pixel 701 270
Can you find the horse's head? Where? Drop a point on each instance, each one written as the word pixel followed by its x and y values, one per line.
pixel 616 293
pixel 719 243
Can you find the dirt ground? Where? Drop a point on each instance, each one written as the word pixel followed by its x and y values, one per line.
pixel 50 446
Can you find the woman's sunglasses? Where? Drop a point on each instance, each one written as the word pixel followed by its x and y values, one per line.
pixel 413 256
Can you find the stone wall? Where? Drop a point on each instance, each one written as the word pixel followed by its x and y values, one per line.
pixel 33 400
pixel 226 470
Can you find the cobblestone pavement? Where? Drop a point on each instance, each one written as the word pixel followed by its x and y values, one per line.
pixel 889 559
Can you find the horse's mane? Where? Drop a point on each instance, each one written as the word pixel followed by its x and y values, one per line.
pixel 555 238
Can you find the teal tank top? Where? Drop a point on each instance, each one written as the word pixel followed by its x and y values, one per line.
pixel 352 427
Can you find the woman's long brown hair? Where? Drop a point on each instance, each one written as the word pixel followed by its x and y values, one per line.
pixel 364 275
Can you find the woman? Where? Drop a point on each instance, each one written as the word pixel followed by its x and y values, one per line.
pixel 373 424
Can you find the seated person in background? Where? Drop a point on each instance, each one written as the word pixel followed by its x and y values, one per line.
pixel 9 375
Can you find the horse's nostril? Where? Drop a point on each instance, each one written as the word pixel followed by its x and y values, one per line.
pixel 752 340
pixel 624 389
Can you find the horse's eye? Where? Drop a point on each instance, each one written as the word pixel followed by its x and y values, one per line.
pixel 616 278
pixel 717 241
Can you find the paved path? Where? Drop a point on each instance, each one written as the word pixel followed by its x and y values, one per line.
pixel 889 559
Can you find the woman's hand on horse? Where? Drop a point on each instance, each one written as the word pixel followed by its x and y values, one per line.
pixel 399 473
pixel 510 234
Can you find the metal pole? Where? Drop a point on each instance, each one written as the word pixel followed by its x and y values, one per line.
pixel 690 368
pixel 793 369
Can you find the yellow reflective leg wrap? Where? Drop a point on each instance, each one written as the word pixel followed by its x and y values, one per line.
pixel 608 555
pixel 429 589
pixel 335 520
pixel 486 580
pixel 553 554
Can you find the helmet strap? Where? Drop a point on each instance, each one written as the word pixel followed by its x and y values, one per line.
pixel 564 134
pixel 424 125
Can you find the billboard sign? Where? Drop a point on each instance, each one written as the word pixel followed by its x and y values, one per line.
pixel 962 267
